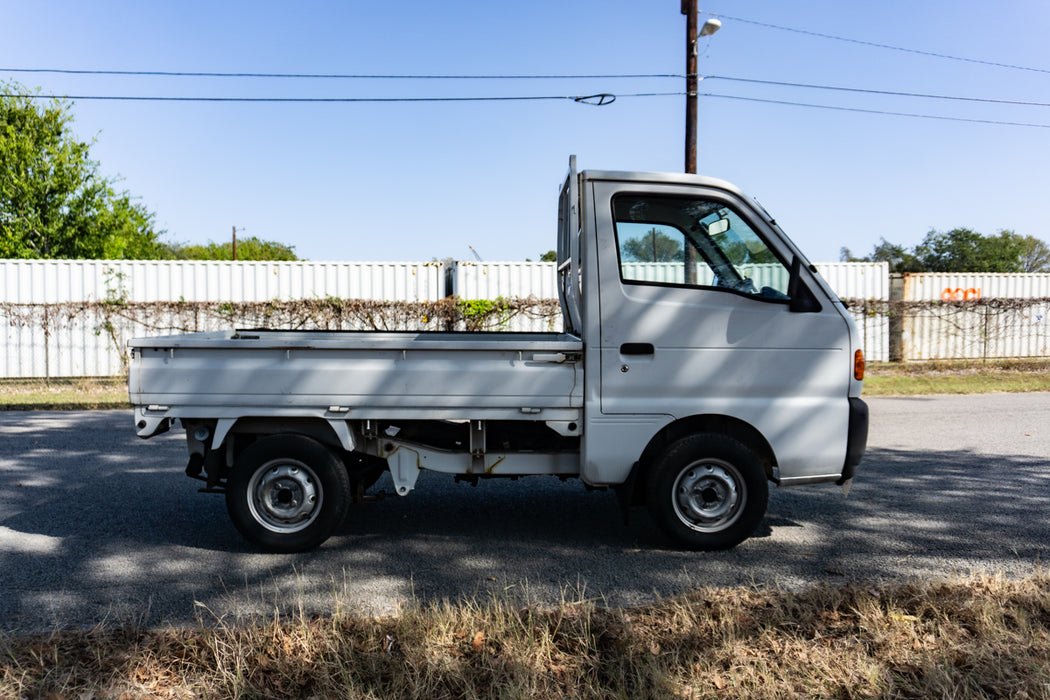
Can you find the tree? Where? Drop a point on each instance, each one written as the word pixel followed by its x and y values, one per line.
pixel 962 250
pixel 1035 255
pixel 899 259
pixel 549 256
pixel 654 246
pixel 250 248
pixel 54 203
pixel 965 250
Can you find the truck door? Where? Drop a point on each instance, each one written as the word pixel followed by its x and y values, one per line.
pixel 697 320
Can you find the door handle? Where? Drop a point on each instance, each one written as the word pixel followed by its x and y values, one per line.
pixel 555 357
pixel 637 349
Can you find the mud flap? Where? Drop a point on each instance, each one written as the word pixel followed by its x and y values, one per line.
pixel 626 494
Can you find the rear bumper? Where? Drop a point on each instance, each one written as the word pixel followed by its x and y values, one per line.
pixel 858 438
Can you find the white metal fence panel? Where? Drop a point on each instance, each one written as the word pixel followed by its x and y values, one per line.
pixel 492 280
pixel 857 280
pixel 938 286
pixel 871 282
pixel 85 346
pixel 982 330
pixel 57 281
pixel 505 279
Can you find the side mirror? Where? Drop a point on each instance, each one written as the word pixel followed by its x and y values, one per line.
pixel 802 299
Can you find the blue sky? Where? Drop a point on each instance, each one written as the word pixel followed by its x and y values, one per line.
pixel 417 181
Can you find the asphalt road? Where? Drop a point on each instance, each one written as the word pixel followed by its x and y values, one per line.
pixel 97 526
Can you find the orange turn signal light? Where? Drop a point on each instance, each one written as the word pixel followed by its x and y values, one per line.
pixel 858 365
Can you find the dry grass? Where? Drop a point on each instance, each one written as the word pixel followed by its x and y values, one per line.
pixel 76 393
pixel 957 377
pixel 982 637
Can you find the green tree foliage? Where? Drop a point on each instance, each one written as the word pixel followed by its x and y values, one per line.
pixel 54 203
pixel 898 257
pixel 962 250
pixel 654 246
pixel 965 250
pixel 549 256
pixel 250 248
pixel 1035 256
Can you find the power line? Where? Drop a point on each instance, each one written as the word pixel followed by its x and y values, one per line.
pixel 338 76
pixel 867 91
pixel 875 111
pixel 610 76
pixel 877 45
pixel 598 100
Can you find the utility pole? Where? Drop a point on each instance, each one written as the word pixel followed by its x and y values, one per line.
pixel 235 241
pixel 692 77
pixel 691 12
pixel 692 83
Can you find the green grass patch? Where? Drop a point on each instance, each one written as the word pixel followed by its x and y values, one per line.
pixel 960 377
pixel 79 393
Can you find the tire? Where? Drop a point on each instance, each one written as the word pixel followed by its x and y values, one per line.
pixel 287 493
pixel 707 492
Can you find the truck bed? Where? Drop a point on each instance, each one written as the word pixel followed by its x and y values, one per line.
pixel 376 375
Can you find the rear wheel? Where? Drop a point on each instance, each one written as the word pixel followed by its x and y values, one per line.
pixel 707 491
pixel 287 493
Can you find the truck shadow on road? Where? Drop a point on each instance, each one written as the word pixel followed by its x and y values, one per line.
pixel 96 525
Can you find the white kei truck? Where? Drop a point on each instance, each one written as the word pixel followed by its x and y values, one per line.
pixel 702 357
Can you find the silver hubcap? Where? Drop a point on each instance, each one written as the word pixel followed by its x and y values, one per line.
pixel 708 495
pixel 284 496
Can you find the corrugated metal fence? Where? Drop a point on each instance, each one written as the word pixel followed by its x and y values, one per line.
pixel 993 315
pixel 68 344
pixel 58 281
pixel 83 345
pixel 869 282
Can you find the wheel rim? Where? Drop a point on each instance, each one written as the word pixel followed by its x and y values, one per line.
pixel 284 496
pixel 709 495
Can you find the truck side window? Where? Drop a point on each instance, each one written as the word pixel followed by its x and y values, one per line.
pixel 695 243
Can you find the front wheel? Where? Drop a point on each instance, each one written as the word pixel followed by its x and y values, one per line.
pixel 707 491
pixel 287 493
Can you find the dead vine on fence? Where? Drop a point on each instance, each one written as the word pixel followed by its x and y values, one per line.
pixel 120 319
pixel 961 329
pixel 972 328
pixel 882 307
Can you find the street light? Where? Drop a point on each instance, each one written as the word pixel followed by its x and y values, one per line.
pixel 710 27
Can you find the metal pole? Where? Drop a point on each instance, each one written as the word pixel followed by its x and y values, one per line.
pixel 234 242
pixel 691 12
